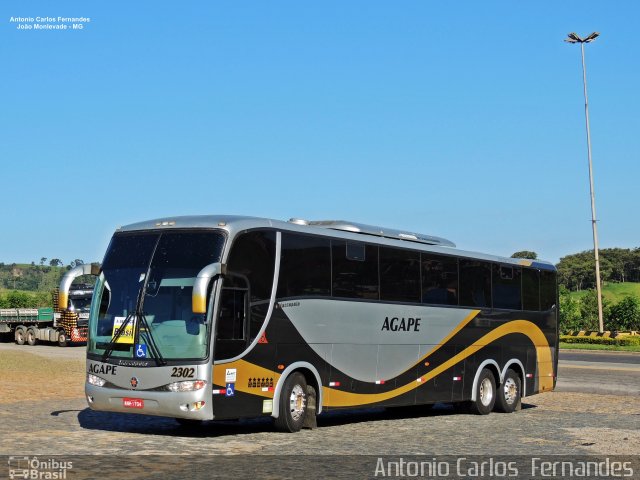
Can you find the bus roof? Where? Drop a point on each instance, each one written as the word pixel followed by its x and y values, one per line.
pixel 234 224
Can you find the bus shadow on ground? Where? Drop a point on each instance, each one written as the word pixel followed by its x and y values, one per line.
pixel 150 425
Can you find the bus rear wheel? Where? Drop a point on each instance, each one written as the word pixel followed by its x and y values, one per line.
pixel 63 341
pixel 293 404
pixel 32 337
pixel 20 335
pixel 485 393
pixel 509 393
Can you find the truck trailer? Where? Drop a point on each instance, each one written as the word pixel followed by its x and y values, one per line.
pixel 60 325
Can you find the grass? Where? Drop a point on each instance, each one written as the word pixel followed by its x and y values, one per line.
pixel 614 292
pixel 591 346
pixel 26 376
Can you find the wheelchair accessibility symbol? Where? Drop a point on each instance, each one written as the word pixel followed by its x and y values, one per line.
pixel 230 390
pixel 141 351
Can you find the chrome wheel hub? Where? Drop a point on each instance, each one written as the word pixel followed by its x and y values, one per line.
pixel 297 402
pixel 510 391
pixel 486 392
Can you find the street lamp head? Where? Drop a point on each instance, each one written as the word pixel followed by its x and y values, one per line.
pixel 575 38
pixel 592 37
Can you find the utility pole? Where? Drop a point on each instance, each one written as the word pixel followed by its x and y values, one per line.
pixel 575 38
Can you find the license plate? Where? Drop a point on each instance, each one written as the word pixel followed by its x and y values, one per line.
pixel 133 402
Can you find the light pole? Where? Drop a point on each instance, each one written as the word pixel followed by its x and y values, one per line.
pixel 575 38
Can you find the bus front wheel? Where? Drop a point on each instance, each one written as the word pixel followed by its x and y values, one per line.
pixel 485 393
pixel 292 404
pixel 63 341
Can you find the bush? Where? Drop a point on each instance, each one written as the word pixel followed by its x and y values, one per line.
pixel 625 315
pixel 619 342
pixel 570 316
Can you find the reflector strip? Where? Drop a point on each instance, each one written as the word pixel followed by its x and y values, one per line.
pixel 457 379
pixel 529 375
pixel 219 392
pixel 267 389
pixel 334 384
pixel 419 380
pixel 379 382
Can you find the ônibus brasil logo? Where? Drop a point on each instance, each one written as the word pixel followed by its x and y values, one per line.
pixel 36 468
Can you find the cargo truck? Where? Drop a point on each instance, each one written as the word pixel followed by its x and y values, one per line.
pixel 64 324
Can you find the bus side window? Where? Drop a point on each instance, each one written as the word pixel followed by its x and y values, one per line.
pixel 530 289
pixel 507 283
pixel 547 290
pixel 355 270
pixel 399 275
pixel 475 283
pixel 305 266
pixel 439 279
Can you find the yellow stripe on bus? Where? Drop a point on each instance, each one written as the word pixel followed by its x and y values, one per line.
pixel 244 372
pixel 338 398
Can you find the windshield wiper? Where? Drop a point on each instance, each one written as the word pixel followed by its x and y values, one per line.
pixel 141 319
pixel 150 341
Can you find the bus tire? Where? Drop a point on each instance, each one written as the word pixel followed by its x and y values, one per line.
pixel 63 341
pixel 32 336
pixel 20 335
pixel 485 393
pixel 509 393
pixel 293 404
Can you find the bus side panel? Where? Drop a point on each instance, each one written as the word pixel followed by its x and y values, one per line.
pixel 248 392
pixel 438 388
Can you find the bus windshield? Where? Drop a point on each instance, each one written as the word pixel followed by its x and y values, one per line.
pixel 154 272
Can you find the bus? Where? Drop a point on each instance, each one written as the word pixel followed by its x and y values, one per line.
pixel 226 317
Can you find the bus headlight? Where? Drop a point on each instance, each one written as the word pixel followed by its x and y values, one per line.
pixel 94 380
pixel 186 386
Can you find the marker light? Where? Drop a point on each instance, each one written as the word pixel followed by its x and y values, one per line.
pixel 186 386
pixel 94 380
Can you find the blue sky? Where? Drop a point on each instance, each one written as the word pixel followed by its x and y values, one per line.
pixel 458 119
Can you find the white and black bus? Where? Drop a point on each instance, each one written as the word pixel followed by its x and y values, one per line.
pixel 219 317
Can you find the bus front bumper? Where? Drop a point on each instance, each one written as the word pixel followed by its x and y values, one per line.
pixel 194 405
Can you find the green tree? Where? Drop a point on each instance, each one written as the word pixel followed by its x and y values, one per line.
pixel 20 300
pixel 55 262
pixel 525 254
pixel 570 315
pixel 589 310
pixel 625 315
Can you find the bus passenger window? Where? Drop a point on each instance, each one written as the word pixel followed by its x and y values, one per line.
pixel 399 275
pixel 439 279
pixel 305 266
pixel 506 286
pixel 475 283
pixel 547 290
pixel 357 278
pixel 530 289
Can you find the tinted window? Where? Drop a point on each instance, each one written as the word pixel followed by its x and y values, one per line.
pixel 253 256
pixel 547 289
pixel 475 283
pixel 305 266
pixel 246 292
pixel 530 289
pixel 399 275
pixel 506 285
pixel 354 278
pixel 439 279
